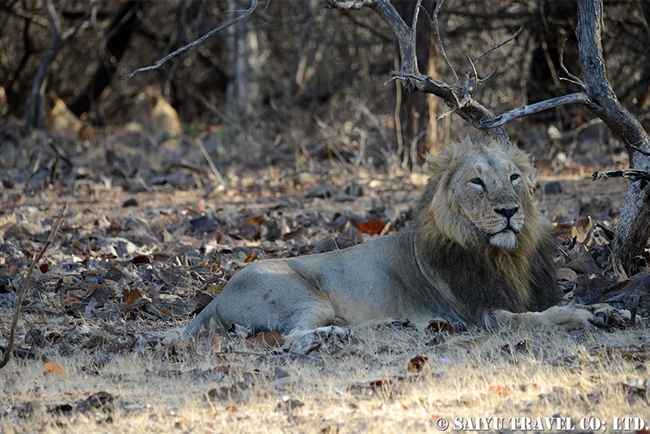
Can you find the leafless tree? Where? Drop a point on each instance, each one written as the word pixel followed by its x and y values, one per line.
pixel 633 229
pixel 35 106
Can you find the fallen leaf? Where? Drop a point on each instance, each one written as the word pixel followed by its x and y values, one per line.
pixel 416 364
pixel 54 369
pixel 371 227
pixel 131 295
pixel 436 326
pixel 501 390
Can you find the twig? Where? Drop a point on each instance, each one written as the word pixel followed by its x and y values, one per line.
pixel 500 44
pixel 414 26
pixel 441 47
pixel 19 302
pixel 636 148
pixel 159 63
pixel 472 82
pixel 214 169
pixel 574 98
pixel 572 78
pixel 633 174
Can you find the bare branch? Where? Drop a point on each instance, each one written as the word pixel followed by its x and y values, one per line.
pixel 500 44
pixel 572 78
pixel 472 81
pixel 159 63
pixel 574 98
pixel 455 96
pixel 23 289
pixel 414 25
pixel 53 19
pixel 441 46
pixel 632 174
pixel 487 77
pixel 355 5
pixel 635 146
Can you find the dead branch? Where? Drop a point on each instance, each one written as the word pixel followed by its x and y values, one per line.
pixel 457 97
pixel 441 46
pixel 572 78
pixel 499 45
pixel 632 174
pixel 23 289
pixel 159 63
pixel 574 98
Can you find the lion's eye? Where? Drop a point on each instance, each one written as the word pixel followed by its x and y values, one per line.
pixel 514 177
pixel 476 181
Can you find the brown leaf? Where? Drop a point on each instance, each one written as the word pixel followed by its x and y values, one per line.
pixel 371 227
pixel 581 229
pixel 416 364
pixel 251 256
pixel 437 325
pixel 54 369
pixel 131 295
pixel 266 340
pixel 582 261
pixel 501 390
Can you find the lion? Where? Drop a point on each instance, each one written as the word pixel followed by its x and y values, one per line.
pixel 60 120
pixel 480 254
pixel 155 115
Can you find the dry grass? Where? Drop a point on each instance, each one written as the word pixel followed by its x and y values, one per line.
pixel 576 374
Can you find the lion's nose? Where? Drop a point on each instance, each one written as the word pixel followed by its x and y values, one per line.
pixel 507 212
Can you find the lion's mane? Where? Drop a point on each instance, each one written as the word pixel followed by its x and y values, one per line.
pixel 480 275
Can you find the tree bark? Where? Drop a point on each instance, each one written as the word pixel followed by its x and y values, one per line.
pixel 244 88
pixel 418 111
pixel 633 229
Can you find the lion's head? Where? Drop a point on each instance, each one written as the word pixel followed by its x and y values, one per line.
pixel 480 193
pixel 478 226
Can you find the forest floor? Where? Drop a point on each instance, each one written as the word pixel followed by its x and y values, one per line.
pixel 150 236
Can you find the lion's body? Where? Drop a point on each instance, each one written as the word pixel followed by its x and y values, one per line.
pixel 480 253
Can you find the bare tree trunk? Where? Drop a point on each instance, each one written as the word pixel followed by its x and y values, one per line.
pixel 35 106
pixel 418 111
pixel 244 88
pixel 633 229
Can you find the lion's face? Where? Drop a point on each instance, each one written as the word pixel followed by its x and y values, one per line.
pixel 482 192
pixel 490 190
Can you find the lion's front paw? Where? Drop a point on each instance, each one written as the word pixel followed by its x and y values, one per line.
pixel 567 317
pixel 306 341
pixel 605 316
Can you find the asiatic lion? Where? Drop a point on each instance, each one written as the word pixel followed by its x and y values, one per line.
pixel 480 254
pixel 156 116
